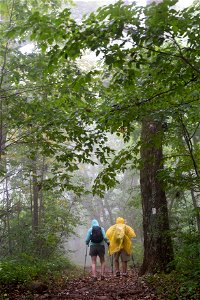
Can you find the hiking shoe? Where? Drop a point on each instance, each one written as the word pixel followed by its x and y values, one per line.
pixel 117 273
pixel 102 277
pixel 124 274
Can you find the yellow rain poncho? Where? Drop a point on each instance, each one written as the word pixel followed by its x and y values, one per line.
pixel 128 234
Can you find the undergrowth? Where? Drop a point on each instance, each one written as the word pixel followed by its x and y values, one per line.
pixel 184 282
pixel 22 270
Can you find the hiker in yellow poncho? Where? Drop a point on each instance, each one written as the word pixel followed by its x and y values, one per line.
pixel 120 236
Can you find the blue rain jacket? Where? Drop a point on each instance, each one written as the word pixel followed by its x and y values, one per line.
pixel 88 236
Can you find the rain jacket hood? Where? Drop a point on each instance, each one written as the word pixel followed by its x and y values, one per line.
pixel 120 220
pixel 128 235
pixel 94 223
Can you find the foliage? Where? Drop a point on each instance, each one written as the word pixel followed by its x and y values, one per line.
pixel 57 225
pixel 176 286
pixel 183 283
pixel 45 138
pixel 57 113
pixel 25 269
pixel 139 47
pixel 150 53
pixel 187 254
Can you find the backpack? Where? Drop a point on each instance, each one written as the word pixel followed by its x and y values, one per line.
pixel 96 235
pixel 119 234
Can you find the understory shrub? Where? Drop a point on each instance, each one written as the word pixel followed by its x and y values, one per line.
pixel 26 268
pixel 176 286
pixel 184 282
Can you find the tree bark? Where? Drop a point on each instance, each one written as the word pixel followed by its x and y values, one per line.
pixel 196 208
pixel 8 208
pixel 109 210
pixel 40 191
pixel 35 217
pixel 158 251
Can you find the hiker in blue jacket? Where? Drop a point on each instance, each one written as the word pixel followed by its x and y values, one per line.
pixel 95 238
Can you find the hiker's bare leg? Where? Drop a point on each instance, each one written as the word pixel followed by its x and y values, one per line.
pixel 94 262
pixel 124 267
pixel 102 261
pixel 116 264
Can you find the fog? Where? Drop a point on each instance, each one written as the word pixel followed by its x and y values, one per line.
pixel 76 247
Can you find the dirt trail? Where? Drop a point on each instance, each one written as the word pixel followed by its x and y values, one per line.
pixel 111 288
pixel 84 288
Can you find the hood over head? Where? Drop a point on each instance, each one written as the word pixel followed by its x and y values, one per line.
pixel 120 220
pixel 95 223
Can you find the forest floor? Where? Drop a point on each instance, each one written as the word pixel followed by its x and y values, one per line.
pixel 111 288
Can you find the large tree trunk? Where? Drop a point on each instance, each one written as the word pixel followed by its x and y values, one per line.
pixel 158 251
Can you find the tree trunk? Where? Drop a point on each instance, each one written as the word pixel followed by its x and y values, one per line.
pixel 35 217
pixel 40 190
pixel 8 209
pixel 196 208
pixel 102 210
pixel 2 132
pixel 109 210
pixel 158 251
pixel 3 127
